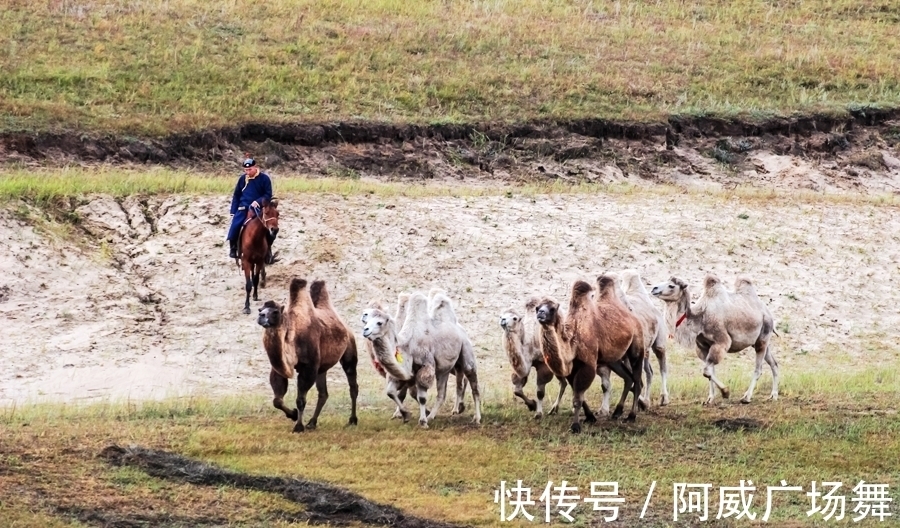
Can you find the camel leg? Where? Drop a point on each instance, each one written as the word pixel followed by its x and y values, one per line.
pixel 761 348
pixel 280 387
pixel 322 389
pixel 659 349
pixel 562 389
pixel 424 379
pixel 519 390
pixel 543 376
pixel 459 406
pixel 605 386
pixel 581 382
pixel 472 376
pixel 715 355
pixel 638 359
pixel 306 378
pixel 619 368
pixel 397 395
pixel 442 380
pixel 645 393
pixel 773 364
pixel 348 363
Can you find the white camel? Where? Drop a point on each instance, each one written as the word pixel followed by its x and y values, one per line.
pixel 725 322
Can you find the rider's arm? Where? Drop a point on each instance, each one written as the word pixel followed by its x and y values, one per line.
pixel 237 196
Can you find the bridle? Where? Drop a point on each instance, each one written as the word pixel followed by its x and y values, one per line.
pixel 262 218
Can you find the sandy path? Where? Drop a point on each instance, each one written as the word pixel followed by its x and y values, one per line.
pixel 156 311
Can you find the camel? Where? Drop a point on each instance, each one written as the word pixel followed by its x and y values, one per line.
pixel 654 326
pixel 401 313
pixel 425 350
pixel 726 322
pixel 595 332
pixel 308 338
pixel 522 342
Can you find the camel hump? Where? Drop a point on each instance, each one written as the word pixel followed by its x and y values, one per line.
pixel 581 288
pixel 606 283
pixel 744 284
pixel 711 283
pixel 297 284
pixel 319 294
pixel 532 303
pixel 631 279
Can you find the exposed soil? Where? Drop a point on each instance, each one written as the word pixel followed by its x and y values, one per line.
pixel 323 503
pixel 857 152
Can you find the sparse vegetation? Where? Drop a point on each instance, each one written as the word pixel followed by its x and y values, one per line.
pixel 163 66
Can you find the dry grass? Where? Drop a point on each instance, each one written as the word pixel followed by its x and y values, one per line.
pixel 156 66
pixel 828 427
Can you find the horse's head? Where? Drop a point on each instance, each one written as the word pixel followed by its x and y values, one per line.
pixel 270 216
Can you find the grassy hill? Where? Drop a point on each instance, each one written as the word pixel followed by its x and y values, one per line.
pixel 152 67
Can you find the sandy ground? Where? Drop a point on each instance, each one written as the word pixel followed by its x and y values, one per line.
pixel 151 308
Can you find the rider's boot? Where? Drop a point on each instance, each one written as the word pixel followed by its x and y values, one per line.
pixel 233 245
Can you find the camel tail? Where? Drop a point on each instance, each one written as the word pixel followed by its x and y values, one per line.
pixel 319 294
pixel 296 285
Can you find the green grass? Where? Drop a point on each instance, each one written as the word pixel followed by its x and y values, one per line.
pixel 44 186
pixel 159 66
pixel 826 426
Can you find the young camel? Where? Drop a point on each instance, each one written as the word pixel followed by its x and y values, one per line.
pixel 725 322
pixel 425 350
pixel 522 342
pixel 595 332
pixel 373 306
pixel 308 338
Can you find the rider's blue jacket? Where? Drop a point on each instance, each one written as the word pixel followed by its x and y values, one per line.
pixel 259 189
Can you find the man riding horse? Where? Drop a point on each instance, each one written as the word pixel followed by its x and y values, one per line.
pixel 253 189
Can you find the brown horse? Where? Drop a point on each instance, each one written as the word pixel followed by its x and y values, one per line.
pixel 254 245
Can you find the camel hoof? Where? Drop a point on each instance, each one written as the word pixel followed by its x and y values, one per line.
pixel 247 310
pixel 745 400
pixel 462 407
pixel 538 416
pixel 664 401
pixel 353 421
pixel 590 418
pixel 311 425
pixel 576 428
pixel 726 393
pixel 298 428
pixel 631 417
pixel 773 396
pixel 642 404
pixel 532 406
pixel 424 424
pixel 476 420
pixel 708 401
pixel 294 415
pixel 553 410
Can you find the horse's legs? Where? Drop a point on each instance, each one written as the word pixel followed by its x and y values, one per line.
pixel 322 390
pixel 256 271
pixel 280 387
pixel 306 378
pixel 348 363
pixel 248 285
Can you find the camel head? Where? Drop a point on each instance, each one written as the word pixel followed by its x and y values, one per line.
pixel 547 311
pixel 669 291
pixel 270 315
pixel 376 324
pixel 373 305
pixel 511 322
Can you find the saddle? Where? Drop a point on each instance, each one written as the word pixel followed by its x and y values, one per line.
pixel 251 215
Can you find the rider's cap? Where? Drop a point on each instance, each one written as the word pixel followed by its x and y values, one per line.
pixel 249 162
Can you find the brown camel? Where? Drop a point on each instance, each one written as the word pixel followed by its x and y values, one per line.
pixel 254 245
pixel 595 332
pixel 522 342
pixel 725 322
pixel 309 338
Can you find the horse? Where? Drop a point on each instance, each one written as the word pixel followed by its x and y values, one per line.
pixel 253 244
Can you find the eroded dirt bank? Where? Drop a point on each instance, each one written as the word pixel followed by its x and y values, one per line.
pixel 857 152
pixel 139 300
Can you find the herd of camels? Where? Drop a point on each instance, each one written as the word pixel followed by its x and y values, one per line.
pixel 607 327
